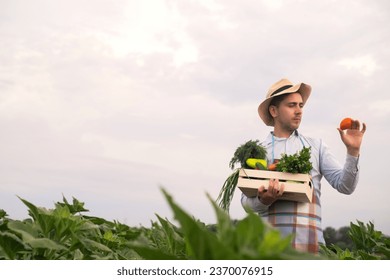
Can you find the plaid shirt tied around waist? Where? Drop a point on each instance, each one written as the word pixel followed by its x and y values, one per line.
pixel 300 219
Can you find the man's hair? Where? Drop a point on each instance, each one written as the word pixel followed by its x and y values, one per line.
pixel 275 101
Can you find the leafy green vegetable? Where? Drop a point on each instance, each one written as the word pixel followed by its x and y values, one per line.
pixel 63 233
pixel 227 191
pixel 296 163
pixel 251 149
pixel 250 238
pixel 368 243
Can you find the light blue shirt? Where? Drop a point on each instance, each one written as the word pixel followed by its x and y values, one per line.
pixel 293 217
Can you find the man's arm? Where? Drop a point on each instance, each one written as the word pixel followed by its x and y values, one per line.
pixel 342 178
pixel 264 197
pixel 253 203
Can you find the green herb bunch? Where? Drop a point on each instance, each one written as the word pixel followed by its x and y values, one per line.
pixel 296 163
pixel 251 149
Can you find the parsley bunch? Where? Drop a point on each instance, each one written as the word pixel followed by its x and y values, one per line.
pixel 251 149
pixel 296 163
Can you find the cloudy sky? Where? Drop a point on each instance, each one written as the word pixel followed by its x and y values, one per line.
pixel 108 101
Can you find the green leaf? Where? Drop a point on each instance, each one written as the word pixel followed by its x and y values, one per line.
pixel 149 253
pixel 41 217
pixel 75 207
pixel 78 255
pixel 385 250
pixel 225 228
pixel 93 245
pixel 273 245
pixel 226 193
pixel 3 214
pixel 249 233
pixel 44 243
pixel 367 256
pixel 296 163
pixel 10 246
pixel 201 244
pixel 173 240
pixel 26 230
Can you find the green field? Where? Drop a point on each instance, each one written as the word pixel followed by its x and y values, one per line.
pixel 67 233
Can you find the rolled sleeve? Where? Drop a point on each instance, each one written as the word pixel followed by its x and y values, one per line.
pixel 342 178
pixel 254 203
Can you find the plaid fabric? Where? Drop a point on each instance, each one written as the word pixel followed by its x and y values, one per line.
pixel 303 220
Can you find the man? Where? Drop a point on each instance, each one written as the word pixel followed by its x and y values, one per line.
pixel 282 109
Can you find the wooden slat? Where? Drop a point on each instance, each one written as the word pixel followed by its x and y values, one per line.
pixel 253 173
pixel 250 180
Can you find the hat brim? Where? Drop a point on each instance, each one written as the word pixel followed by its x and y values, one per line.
pixel 303 89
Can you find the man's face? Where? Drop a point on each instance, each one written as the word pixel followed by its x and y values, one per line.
pixel 288 114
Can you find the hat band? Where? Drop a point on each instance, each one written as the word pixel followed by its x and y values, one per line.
pixel 281 89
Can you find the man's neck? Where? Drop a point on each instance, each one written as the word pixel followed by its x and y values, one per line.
pixel 282 133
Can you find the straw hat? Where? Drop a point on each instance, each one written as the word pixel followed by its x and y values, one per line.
pixel 284 86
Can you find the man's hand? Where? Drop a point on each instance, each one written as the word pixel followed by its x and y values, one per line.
pixel 274 191
pixel 352 138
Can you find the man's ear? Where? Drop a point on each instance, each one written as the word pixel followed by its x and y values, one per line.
pixel 273 110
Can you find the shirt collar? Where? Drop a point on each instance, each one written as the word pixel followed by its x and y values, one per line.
pixel 295 133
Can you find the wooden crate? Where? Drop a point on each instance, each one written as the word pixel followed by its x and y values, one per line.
pixel 297 187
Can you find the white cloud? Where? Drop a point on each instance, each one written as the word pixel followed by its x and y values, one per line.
pixel 380 108
pixel 365 65
pixel 212 5
pixel 152 27
pixel 273 4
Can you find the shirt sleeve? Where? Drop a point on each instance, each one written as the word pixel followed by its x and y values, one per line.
pixel 342 178
pixel 253 203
